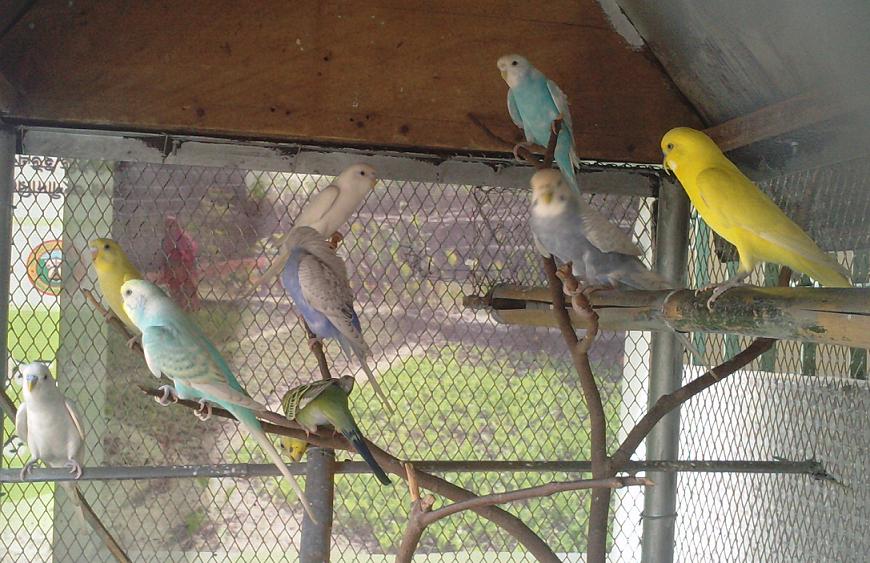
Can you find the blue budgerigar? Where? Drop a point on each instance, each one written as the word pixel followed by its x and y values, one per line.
pixel 316 279
pixel 176 347
pixel 534 102
pixel 601 254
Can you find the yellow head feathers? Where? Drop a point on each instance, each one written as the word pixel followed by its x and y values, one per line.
pixel 684 144
pixel 293 448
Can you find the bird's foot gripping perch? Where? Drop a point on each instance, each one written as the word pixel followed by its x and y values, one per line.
pixel 204 411
pixel 75 468
pixel 132 342
pixel 28 467
pixel 314 341
pixel 169 395
pixel 720 288
pixel 516 151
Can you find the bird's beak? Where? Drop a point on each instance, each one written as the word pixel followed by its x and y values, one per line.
pixel 547 197
pixel 504 75
pixel 94 250
pixel 665 165
pixel 31 382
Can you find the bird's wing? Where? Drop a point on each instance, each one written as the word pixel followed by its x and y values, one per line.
pixel 183 354
pixel 517 117
pixel 21 422
pixel 606 236
pixel 70 408
pixel 327 290
pixel 299 397
pixel 561 102
pixel 739 204
pixel 318 206
pixel 514 110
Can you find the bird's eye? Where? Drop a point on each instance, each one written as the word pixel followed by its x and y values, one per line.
pixel 670 146
pixel 44 377
pixel 128 293
pixel 514 63
pixel 106 246
pixel 562 198
pixel 362 172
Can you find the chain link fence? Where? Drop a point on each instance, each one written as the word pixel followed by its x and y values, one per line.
pixel 466 387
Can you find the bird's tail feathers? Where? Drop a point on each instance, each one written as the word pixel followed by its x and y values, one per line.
pixel 359 443
pixel 823 269
pixel 565 160
pixel 376 386
pixel 642 278
pixel 257 433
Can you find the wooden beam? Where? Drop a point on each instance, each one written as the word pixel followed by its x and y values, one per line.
pixel 821 315
pixel 784 117
pixel 9 96
pixel 352 72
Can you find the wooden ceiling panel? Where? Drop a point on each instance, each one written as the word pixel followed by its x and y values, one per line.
pixel 390 73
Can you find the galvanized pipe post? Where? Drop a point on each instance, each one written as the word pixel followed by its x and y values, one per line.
pixel 660 501
pixel 7 188
pixel 320 490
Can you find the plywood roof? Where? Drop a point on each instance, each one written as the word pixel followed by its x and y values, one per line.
pixel 390 73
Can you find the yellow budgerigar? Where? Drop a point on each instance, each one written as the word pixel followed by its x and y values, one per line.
pixel 742 214
pixel 113 269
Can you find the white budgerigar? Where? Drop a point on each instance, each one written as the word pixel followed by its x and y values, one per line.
pixel 328 210
pixel 49 424
pixel 600 253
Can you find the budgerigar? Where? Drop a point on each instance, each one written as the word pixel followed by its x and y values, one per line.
pixel 601 254
pixel 50 426
pixel 176 347
pixel 534 102
pixel 293 447
pixel 113 269
pixel 742 214
pixel 316 279
pixel 328 210
pixel 325 402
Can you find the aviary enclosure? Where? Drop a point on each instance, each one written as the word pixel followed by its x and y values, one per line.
pixel 764 461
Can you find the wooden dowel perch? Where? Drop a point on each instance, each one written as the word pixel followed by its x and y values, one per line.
pixel 821 315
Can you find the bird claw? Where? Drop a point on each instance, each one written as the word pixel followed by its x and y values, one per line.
pixel 517 147
pixel 132 341
pixel 28 467
pixel 108 315
pixel 75 468
pixel 312 342
pixel 169 395
pixel 204 411
pixel 556 124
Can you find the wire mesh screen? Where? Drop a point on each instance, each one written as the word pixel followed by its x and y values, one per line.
pixel 798 401
pixel 466 387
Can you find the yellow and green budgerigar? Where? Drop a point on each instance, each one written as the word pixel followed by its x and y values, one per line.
pixel 325 402
pixel 294 448
pixel 113 269
pixel 742 214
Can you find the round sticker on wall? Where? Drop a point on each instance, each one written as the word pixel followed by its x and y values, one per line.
pixel 43 267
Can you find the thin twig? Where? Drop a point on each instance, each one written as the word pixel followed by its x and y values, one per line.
pixel 488 132
pixel 421 515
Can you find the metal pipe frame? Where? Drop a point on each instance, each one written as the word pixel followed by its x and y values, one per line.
pixel 660 501
pixel 7 188
pixel 619 179
pixel 314 546
pixel 810 468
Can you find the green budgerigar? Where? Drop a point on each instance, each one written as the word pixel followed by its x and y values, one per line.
pixel 325 402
